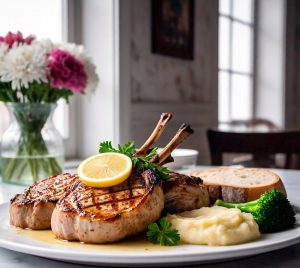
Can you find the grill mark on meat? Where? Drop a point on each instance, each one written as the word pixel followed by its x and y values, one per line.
pixel 45 190
pixel 118 199
pixel 74 200
pixel 118 196
pixel 107 191
pixel 88 201
pixel 130 192
pixel 112 202
pixel 93 196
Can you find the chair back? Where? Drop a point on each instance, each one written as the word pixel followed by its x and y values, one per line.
pixel 249 125
pixel 258 144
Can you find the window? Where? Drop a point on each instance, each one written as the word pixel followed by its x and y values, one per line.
pixel 235 59
pixel 44 19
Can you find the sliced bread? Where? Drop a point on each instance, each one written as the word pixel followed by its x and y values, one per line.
pixel 238 184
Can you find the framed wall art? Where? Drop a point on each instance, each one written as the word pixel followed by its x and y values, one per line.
pixel 173 28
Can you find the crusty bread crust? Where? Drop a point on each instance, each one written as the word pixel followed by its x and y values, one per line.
pixel 235 192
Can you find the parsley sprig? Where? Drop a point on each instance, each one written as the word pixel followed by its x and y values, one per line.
pixel 139 162
pixel 160 233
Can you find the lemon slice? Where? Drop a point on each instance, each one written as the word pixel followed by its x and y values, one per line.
pixel 105 170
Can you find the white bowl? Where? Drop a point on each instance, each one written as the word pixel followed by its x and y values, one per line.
pixel 183 158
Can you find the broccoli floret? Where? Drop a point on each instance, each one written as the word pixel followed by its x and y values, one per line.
pixel 272 211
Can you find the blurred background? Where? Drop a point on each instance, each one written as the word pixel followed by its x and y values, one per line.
pixel 227 64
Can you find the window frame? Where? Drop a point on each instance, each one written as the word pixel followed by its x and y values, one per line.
pixel 70 9
pixel 230 71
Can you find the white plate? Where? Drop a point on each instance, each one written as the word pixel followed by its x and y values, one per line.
pixel 182 158
pixel 116 255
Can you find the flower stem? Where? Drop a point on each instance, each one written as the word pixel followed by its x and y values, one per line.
pixel 31 159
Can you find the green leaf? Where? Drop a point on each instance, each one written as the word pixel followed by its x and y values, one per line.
pixel 106 147
pixel 7 94
pixel 165 224
pixel 128 148
pixel 36 92
pixel 160 233
pixel 143 162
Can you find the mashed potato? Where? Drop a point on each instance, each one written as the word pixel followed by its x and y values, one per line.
pixel 215 226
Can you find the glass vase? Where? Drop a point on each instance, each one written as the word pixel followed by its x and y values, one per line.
pixel 31 148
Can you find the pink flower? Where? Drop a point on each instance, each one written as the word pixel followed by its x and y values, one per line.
pixel 65 71
pixel 11 38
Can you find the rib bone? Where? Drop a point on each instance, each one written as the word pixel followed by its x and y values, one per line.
pixel 164 119
pixel 183 132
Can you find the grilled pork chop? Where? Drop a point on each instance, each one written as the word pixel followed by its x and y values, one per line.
pixel 101 215
pixel 33 208
pixel 106 215
pixel 184 193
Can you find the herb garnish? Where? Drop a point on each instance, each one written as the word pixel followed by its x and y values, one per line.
pixel 139 162
pixel 160 233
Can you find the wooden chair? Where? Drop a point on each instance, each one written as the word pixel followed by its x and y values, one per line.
pixel 255 123
pixel 260 145
pixel 250 125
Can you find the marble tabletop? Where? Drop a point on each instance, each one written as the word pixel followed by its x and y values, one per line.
pixel 288 257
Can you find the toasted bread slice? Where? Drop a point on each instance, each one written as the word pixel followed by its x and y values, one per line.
pixel 238 184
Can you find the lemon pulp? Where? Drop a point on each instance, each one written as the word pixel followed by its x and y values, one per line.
pixel 105 170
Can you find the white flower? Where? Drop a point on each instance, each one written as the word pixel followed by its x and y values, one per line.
pixel 47 44
pixel 3 50
pixel 24 64
pixel 93 78
pixel 78 52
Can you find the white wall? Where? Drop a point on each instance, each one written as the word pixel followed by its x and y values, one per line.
pixel 97 117
pixel 159 83
pixel 117 35
pixel 270 61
